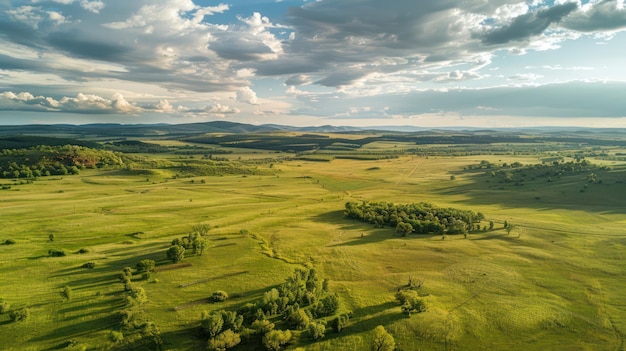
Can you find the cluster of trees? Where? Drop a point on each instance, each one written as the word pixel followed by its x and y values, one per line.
pixel 422 218
pixel 551 170
pixel 301 303
pixel 41 161
pixel 132 322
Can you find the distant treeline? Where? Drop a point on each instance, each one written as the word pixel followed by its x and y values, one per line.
pixel 284 143
pixel 29 141
pixel 424 218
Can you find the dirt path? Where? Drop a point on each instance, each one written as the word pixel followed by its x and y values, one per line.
pixel 417 164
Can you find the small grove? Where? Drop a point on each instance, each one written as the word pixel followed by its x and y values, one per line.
pixel 421 218
pixel 301 306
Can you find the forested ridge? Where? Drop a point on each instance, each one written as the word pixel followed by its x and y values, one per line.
pixel 41 161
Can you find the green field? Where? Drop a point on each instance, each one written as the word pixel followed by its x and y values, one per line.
pixel 555 282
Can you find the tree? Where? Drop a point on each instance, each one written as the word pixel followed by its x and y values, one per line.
pixel 383 341
pixel 316 330
pixel 199 245
pixel 262 326
pixel 404 228
pixel 4 307
pixel 509 228
pixel 145 266
pixel 297 318
pixel 410 301
pixel 212 323
pixel 51 237
pixel 219 296
pixel 224 341
pixel 176 253
pixel 275 339
pixel 137 295
pixel 491 224
pixel 67 293
pixel 201 229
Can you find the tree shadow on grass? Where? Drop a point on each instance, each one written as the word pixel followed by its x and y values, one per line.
pixel 338 217
pixel 78 329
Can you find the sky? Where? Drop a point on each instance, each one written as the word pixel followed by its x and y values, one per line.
pixel 421 63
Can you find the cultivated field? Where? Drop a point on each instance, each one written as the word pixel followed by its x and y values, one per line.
pixel 555 282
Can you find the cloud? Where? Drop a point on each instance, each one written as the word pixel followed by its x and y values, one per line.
pixel 220 110
pixel 246 95
pixel 528 25
pixel 82 103
pixel 595 16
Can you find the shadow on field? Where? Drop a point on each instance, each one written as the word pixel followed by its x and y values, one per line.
pixel 111 305
pixel 369 318
pixel 338 217
pixel 78 329
pixel 532 191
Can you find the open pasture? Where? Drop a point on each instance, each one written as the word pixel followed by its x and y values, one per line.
pixel 554 282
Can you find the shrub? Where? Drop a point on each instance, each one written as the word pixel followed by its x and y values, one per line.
pixel 83 251
pixel 57 253
pixel 19 315
pixel 4 307
pixel 116 336
pixel 219 296
pixel 89 265
pixel 9 242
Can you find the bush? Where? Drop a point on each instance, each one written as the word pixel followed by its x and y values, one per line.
pixel 19 315
pixel 4 307
pixel 145 266
pixel 89 265
pixel 83 251
pixel 116 336
pixel 57 253
pixel 9 242
pixel 219 296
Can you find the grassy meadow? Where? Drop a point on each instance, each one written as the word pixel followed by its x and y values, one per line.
pixel 555 282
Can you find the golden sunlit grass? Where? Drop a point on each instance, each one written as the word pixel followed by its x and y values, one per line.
pixel 554 282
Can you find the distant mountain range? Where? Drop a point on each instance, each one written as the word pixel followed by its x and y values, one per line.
pixel 179 130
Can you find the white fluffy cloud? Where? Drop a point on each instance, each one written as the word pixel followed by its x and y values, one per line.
pixel 171 56
pixel 247 95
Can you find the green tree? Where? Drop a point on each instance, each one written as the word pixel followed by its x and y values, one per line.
pixel 262 326
pixel 4 306
pixel 51 237
pixel 383 341
pixel 316 330
pixel 145 266
pixel 276 339
pixel 491 224
pixel 176 253
pixel 297 318
pixel 137 295
pixel 224 341
pixel 212 324
pixel 404 229
pixel 199 246
pixel 509 228
pixel 219 296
